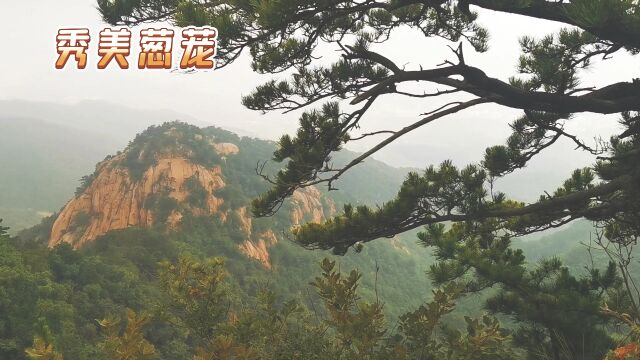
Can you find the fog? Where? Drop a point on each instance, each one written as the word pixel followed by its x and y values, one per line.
pixel 213 97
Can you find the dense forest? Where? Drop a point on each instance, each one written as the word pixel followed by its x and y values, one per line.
pixel 153 299
pixel 67 289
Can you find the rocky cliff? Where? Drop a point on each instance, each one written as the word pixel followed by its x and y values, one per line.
pixel 160 178
pixel 310 206
pixel 114 201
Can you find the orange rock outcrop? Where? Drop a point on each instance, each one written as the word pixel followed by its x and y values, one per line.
pixel 260 250
pixel 246 221
pixel 307 203
pixel 114 201
pixel 226 148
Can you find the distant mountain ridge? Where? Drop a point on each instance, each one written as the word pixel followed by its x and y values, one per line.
pixel 48 147
pixel 176 171
pixel 111 121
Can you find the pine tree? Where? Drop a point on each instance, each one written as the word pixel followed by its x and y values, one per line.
pixel 284 36
pixel 558 316
pixel 43 348
pixel 128 344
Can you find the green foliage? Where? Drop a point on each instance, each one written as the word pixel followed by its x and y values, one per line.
pixel 173 139
pixel 41 350
pixel 81 220
pixel 130 344
pixel 196 289
pixel 552 63
pixel 223 328
pixel 354 329
pixel 599 13
pixel 359 326
pixel 18 299
pixel 193 304
pixel 484 338
pixel 557 314
pixel 161 205
pixel 439 192
pixel 318 128
pixel 197 193
pixel 85 181
pixel 273 329
pixel 43 347
pixel 198 309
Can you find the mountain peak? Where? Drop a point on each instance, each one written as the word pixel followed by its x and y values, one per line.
pixel 163 194
pixel 165 174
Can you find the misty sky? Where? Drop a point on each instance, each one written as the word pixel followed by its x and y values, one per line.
pixel 27 73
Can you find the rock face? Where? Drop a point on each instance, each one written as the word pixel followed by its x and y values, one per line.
pixel 260 250
pixel 246 222
pixel 226 148
pixel 157 181
pixel 114 201
pixel 308 205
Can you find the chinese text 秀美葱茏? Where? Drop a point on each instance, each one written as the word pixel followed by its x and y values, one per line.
pixel 156 47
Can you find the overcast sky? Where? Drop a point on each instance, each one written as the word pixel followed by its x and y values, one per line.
pixel 27 73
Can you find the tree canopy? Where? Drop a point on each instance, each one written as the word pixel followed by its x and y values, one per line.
pixel 284 35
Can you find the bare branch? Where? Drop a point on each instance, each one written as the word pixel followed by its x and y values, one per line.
pixel 372 134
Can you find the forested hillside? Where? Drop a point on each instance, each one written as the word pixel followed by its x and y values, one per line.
pixel 131 234
pixel 117 269
pixel 68 289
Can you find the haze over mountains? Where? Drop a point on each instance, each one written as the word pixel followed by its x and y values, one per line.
pixel 179 189
pixel 174 191
pixel 47 147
